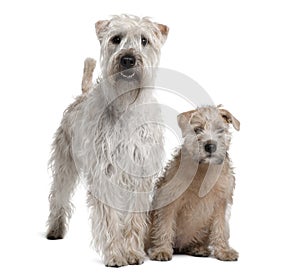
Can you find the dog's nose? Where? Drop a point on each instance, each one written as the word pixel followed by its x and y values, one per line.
pixel 128 61
pixel 210 147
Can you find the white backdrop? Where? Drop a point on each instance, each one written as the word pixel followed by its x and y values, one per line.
pixel 245 54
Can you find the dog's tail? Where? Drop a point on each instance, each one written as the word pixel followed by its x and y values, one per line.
pixel 87 78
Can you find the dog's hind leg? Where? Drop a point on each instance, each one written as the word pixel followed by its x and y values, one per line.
pixel 65 178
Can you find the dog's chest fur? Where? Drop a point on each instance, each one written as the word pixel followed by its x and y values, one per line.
pixel 116 143
pixel 194 214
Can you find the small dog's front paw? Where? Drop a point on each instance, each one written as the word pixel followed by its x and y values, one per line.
pixel 115 262
pixel 227 255
pixel 160 255
pixel 134 259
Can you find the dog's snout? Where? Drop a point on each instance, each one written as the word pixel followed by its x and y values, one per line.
pixel 210 147
pixel 128 61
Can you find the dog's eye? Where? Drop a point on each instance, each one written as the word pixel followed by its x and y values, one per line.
pixel 116 40
pixel 198 130
pixel 144 41
pixel 220 131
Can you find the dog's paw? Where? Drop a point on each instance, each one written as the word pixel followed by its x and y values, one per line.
pixel 115 262
pixel 227 255
pixel 54 237
pixel 55 234
pixel 135 259
pixel 160 255
pixel 56 230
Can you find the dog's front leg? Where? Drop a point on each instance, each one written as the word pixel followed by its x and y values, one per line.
pixel 107 232
pixel 162 234
pixel 135 231
pixel 219 235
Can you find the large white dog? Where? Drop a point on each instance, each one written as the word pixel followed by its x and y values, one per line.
pixel 112 137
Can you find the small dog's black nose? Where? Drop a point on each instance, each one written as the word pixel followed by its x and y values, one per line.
pixel 128 61
pixel 210 147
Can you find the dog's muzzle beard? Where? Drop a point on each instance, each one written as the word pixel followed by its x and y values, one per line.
pixel 217 157
pixel 210 152
pixel 130 75
pixel 127 66
pixel 201 156
pixel 212 159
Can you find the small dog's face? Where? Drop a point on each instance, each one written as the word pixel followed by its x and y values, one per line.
pixel 206 133
pixel 130 47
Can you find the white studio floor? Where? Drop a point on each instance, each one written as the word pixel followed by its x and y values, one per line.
pixel 27 252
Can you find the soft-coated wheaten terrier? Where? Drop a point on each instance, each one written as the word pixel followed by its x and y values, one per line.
pixel 193 197
pixel 109 137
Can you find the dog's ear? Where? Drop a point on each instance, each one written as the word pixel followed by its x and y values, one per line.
pixel 230 119
pixel 183 121
pixel 100 27
pixel 163 31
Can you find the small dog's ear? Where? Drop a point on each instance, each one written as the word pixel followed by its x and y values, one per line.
pixel 100 27
pixel 164 31
pixel 230 119
pixel 183 121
